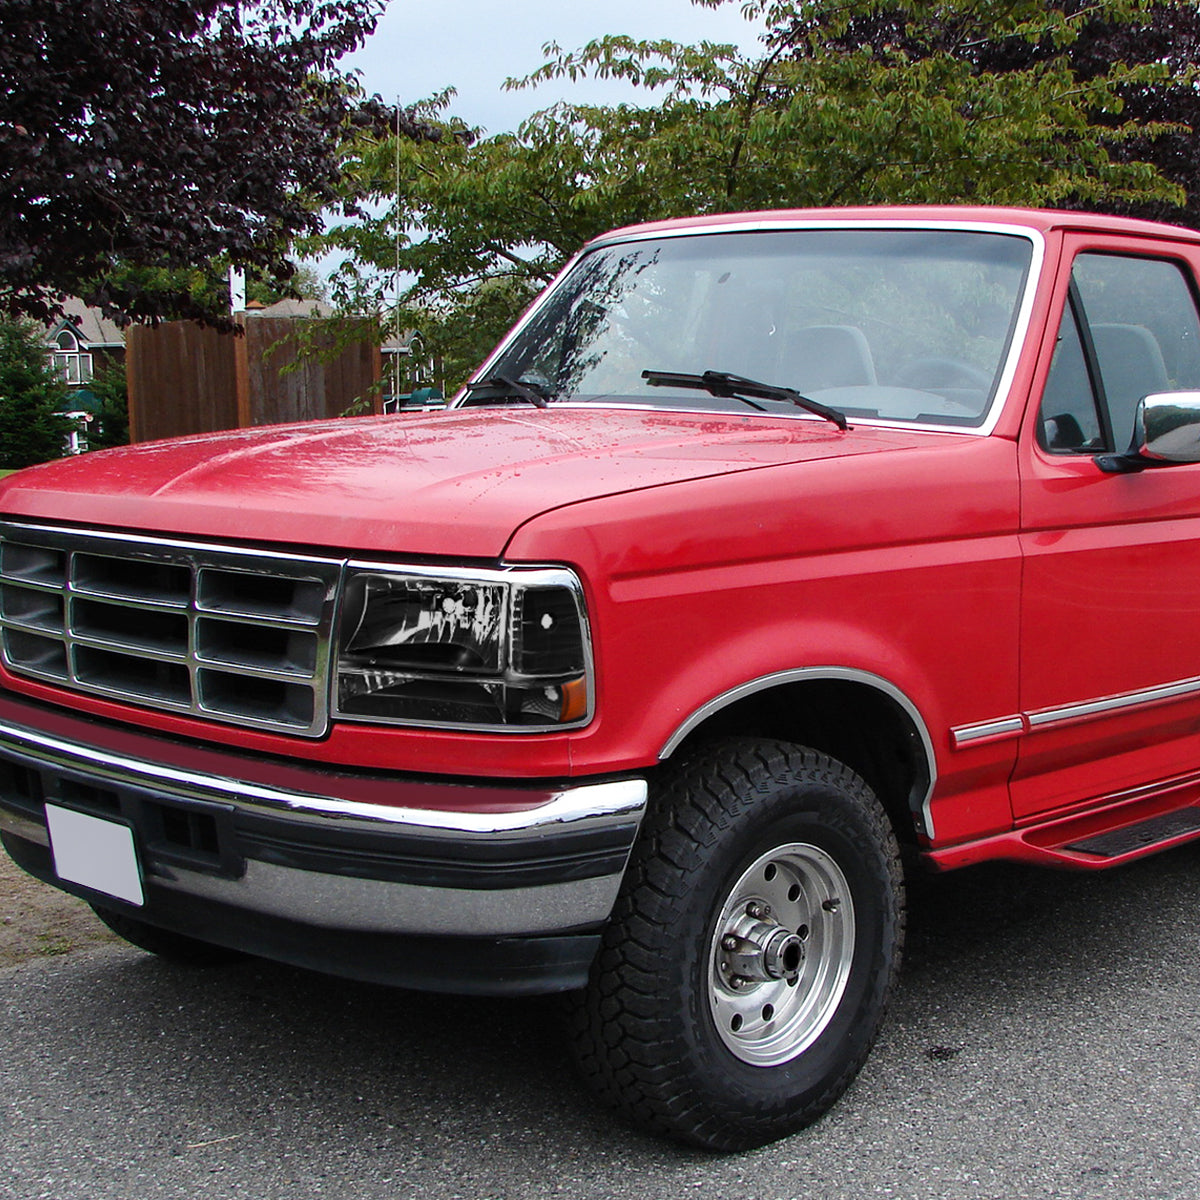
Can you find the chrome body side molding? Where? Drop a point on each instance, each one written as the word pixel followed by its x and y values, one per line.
pixel 1062 715
pixel 987 731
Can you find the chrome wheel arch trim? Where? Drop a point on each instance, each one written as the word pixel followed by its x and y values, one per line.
pixel 921 805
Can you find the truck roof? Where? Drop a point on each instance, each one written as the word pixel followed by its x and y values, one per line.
pixel 1042 220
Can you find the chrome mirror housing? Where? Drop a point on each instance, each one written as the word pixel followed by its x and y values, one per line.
pixel 1166 431
pixel 1166 428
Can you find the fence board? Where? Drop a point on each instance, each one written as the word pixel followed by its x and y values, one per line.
pixel 182 379
pixel 185 378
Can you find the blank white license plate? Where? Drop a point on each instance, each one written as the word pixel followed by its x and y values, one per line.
pixel 94 853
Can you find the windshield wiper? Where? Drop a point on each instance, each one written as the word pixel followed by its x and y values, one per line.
pixel 737 387
pixel 524 389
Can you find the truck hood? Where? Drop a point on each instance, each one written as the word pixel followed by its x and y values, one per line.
pixel 458 482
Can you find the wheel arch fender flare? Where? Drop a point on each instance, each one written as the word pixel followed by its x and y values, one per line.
pixel 920 801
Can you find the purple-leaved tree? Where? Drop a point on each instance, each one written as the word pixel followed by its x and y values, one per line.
pixel 140 137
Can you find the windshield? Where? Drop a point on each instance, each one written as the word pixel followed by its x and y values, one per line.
pixel 895 324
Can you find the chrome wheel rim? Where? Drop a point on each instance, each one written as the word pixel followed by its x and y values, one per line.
pixel 780 954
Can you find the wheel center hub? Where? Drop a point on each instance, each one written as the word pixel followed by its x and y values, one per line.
pixel 755 950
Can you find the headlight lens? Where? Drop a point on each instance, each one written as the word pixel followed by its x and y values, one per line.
pixel 486 649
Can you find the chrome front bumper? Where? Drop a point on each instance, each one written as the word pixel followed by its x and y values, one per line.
pixel 322 860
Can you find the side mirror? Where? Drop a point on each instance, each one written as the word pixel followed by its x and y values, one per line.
pixel 1166 430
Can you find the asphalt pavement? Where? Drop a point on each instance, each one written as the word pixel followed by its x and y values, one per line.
pixel 1043 1043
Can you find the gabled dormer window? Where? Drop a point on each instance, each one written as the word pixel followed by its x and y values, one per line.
pixel 71 363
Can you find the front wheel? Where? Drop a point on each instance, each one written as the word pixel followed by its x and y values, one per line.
pixel 748 963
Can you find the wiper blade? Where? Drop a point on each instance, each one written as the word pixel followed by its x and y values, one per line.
pixel 737 387
pixel 515 387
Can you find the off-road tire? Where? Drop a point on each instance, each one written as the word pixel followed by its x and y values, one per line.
pixel 644 1031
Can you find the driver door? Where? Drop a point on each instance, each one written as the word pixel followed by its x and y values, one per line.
pixel 1110 625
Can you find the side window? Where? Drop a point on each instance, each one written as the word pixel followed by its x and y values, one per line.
pixel 1140 314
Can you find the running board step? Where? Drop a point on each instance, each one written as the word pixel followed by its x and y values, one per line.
pixel 1141 836
pixel 1093 840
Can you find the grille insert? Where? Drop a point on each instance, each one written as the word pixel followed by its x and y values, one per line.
pixel 227 634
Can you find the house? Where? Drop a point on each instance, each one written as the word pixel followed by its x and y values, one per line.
pixel 79 346
pixel 411 375
pixel 82 342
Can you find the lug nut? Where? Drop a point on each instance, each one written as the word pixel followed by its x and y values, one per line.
pixel 757 910
pixel 729 942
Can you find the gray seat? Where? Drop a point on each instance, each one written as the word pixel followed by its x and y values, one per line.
pixel 1131 367
pixel 828 356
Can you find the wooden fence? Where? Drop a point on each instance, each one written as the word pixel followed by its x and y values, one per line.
pixel 184 378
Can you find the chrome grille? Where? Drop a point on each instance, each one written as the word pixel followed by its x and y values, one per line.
pixel 231 635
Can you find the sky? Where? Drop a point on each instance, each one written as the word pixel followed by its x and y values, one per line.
pixel 419 48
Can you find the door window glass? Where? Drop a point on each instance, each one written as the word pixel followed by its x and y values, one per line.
pixel 1144 329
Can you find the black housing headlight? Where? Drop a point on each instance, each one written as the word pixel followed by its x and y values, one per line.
pixel 489 649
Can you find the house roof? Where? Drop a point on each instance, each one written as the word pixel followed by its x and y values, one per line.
pixel 319 308
pixel 404 344
pixel 292 308
pixel 92 328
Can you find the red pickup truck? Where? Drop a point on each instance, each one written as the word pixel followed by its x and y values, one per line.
pixel 770 557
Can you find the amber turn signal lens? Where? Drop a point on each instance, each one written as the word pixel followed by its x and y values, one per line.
pixel 574 700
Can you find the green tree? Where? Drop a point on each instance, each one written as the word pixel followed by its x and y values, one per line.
pixel 1157 117
pixel 111 425
pixel 31 428
pixel 460 333
pixel 202 290
pixel 973 103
